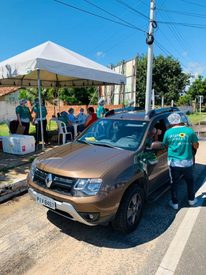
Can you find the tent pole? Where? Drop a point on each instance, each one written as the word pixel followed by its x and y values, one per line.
pixel 40 108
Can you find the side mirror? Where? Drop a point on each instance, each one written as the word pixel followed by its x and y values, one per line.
pixel 157 145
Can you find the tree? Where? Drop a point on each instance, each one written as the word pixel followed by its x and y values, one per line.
pixel 78 96
pixel 184 100
pixel 70 96
pixel 198 87
pixel 168 79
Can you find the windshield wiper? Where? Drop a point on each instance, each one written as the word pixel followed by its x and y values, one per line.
pixel 83 141
pixel 106 145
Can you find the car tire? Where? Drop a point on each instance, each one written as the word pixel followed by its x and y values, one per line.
pixel 130 210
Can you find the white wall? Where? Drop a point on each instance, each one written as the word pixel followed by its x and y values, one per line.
pixel 7 110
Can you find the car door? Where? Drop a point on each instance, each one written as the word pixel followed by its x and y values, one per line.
pixel 158 173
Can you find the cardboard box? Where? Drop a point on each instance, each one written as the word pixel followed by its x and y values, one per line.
pixel 18 144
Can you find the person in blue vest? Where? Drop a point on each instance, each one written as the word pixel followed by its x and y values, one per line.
pixel 23 115
pixel 37 121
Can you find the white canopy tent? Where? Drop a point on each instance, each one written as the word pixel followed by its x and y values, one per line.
pixel 51 65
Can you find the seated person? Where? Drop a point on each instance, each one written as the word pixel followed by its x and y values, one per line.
pixel 64 118
pixel 153 136
pixel 71 116
pixel 92 117
pixel 81 117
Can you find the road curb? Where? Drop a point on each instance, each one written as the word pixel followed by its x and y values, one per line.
pixel 9 191
pixel 2 170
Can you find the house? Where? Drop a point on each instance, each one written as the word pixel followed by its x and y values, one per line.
pixel 8 102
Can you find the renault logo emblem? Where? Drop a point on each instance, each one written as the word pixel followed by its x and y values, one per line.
pixel 48 180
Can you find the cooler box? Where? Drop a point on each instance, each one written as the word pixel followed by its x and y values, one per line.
pixel 18 144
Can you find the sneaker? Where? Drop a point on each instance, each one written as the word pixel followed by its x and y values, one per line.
pixel 193 202
pixel 173 205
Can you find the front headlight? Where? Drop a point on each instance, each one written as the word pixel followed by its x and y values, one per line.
pixel 89 187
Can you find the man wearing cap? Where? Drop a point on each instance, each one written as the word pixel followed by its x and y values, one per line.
pixel 23 115
pixel 180 140
pixel 100 109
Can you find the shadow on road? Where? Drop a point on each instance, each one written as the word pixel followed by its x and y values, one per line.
pixel 157 218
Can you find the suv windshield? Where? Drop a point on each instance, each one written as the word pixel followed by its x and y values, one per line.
pixel 122 134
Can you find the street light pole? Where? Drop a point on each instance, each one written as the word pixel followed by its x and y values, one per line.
pixel 150 41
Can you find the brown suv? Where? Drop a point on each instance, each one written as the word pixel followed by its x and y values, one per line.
pixel 108 172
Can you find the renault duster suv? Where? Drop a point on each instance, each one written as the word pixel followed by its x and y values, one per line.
pixel 107 173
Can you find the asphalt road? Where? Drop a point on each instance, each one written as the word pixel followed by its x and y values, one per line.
pixel 33 240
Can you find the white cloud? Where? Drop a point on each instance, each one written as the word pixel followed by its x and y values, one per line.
pixel 196 68
pixel 100 54
pixel 185 54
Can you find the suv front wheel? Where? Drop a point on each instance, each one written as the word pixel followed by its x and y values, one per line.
pixel 130 210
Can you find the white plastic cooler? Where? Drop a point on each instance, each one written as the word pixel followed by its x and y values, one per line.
pixel 18 144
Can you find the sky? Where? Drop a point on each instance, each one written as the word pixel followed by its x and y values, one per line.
pixel 28 23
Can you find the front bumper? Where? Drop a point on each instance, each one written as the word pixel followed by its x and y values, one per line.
pixel 64 207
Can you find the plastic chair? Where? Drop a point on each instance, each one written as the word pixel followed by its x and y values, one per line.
pixel 62 128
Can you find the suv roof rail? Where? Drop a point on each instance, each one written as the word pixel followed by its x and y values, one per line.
pixel 122 110
pixel 162 110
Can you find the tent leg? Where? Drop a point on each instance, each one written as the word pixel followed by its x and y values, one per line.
pixel 40 108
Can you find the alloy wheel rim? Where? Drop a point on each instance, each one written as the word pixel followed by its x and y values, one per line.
pixel 134 208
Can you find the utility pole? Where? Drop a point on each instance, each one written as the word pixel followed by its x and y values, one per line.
pixel 162 101
pixel 150 41
pixel 153 99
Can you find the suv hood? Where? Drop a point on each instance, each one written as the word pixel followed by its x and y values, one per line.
pixel 81 160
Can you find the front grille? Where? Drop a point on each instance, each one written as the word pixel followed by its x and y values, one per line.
pixel 62 185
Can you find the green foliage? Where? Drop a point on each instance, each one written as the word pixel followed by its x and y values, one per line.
pixel 78 96
pixel 71 96
pixel 168 79
pixel 185 100
pixel 29 93
pixel 198 87
pixel 4 129
pixel 141 79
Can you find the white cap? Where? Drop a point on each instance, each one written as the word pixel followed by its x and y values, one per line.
pixel 174 118
pixel 22 101
pixel 101 101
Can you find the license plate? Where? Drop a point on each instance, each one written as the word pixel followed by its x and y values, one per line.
pixel 45 201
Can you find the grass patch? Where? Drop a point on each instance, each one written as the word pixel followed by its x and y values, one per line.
pixel 4 129
pixel 197 117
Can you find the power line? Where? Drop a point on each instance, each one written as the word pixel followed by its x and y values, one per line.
pixel 98 7
pixel 177 50
pixel 190 25
pixel 193 3
pixel 133 9
pixel 96 15
pixel 165 51
pixel 162 48
pixel 143 3
pixel 183 13
pixel 177 34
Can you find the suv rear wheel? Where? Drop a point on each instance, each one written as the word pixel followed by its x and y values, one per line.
pixel 130 210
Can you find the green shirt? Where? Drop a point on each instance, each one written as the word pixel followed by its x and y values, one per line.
pixel 37 111
pixel 23 112
pixel 179 141
pixel 100 111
